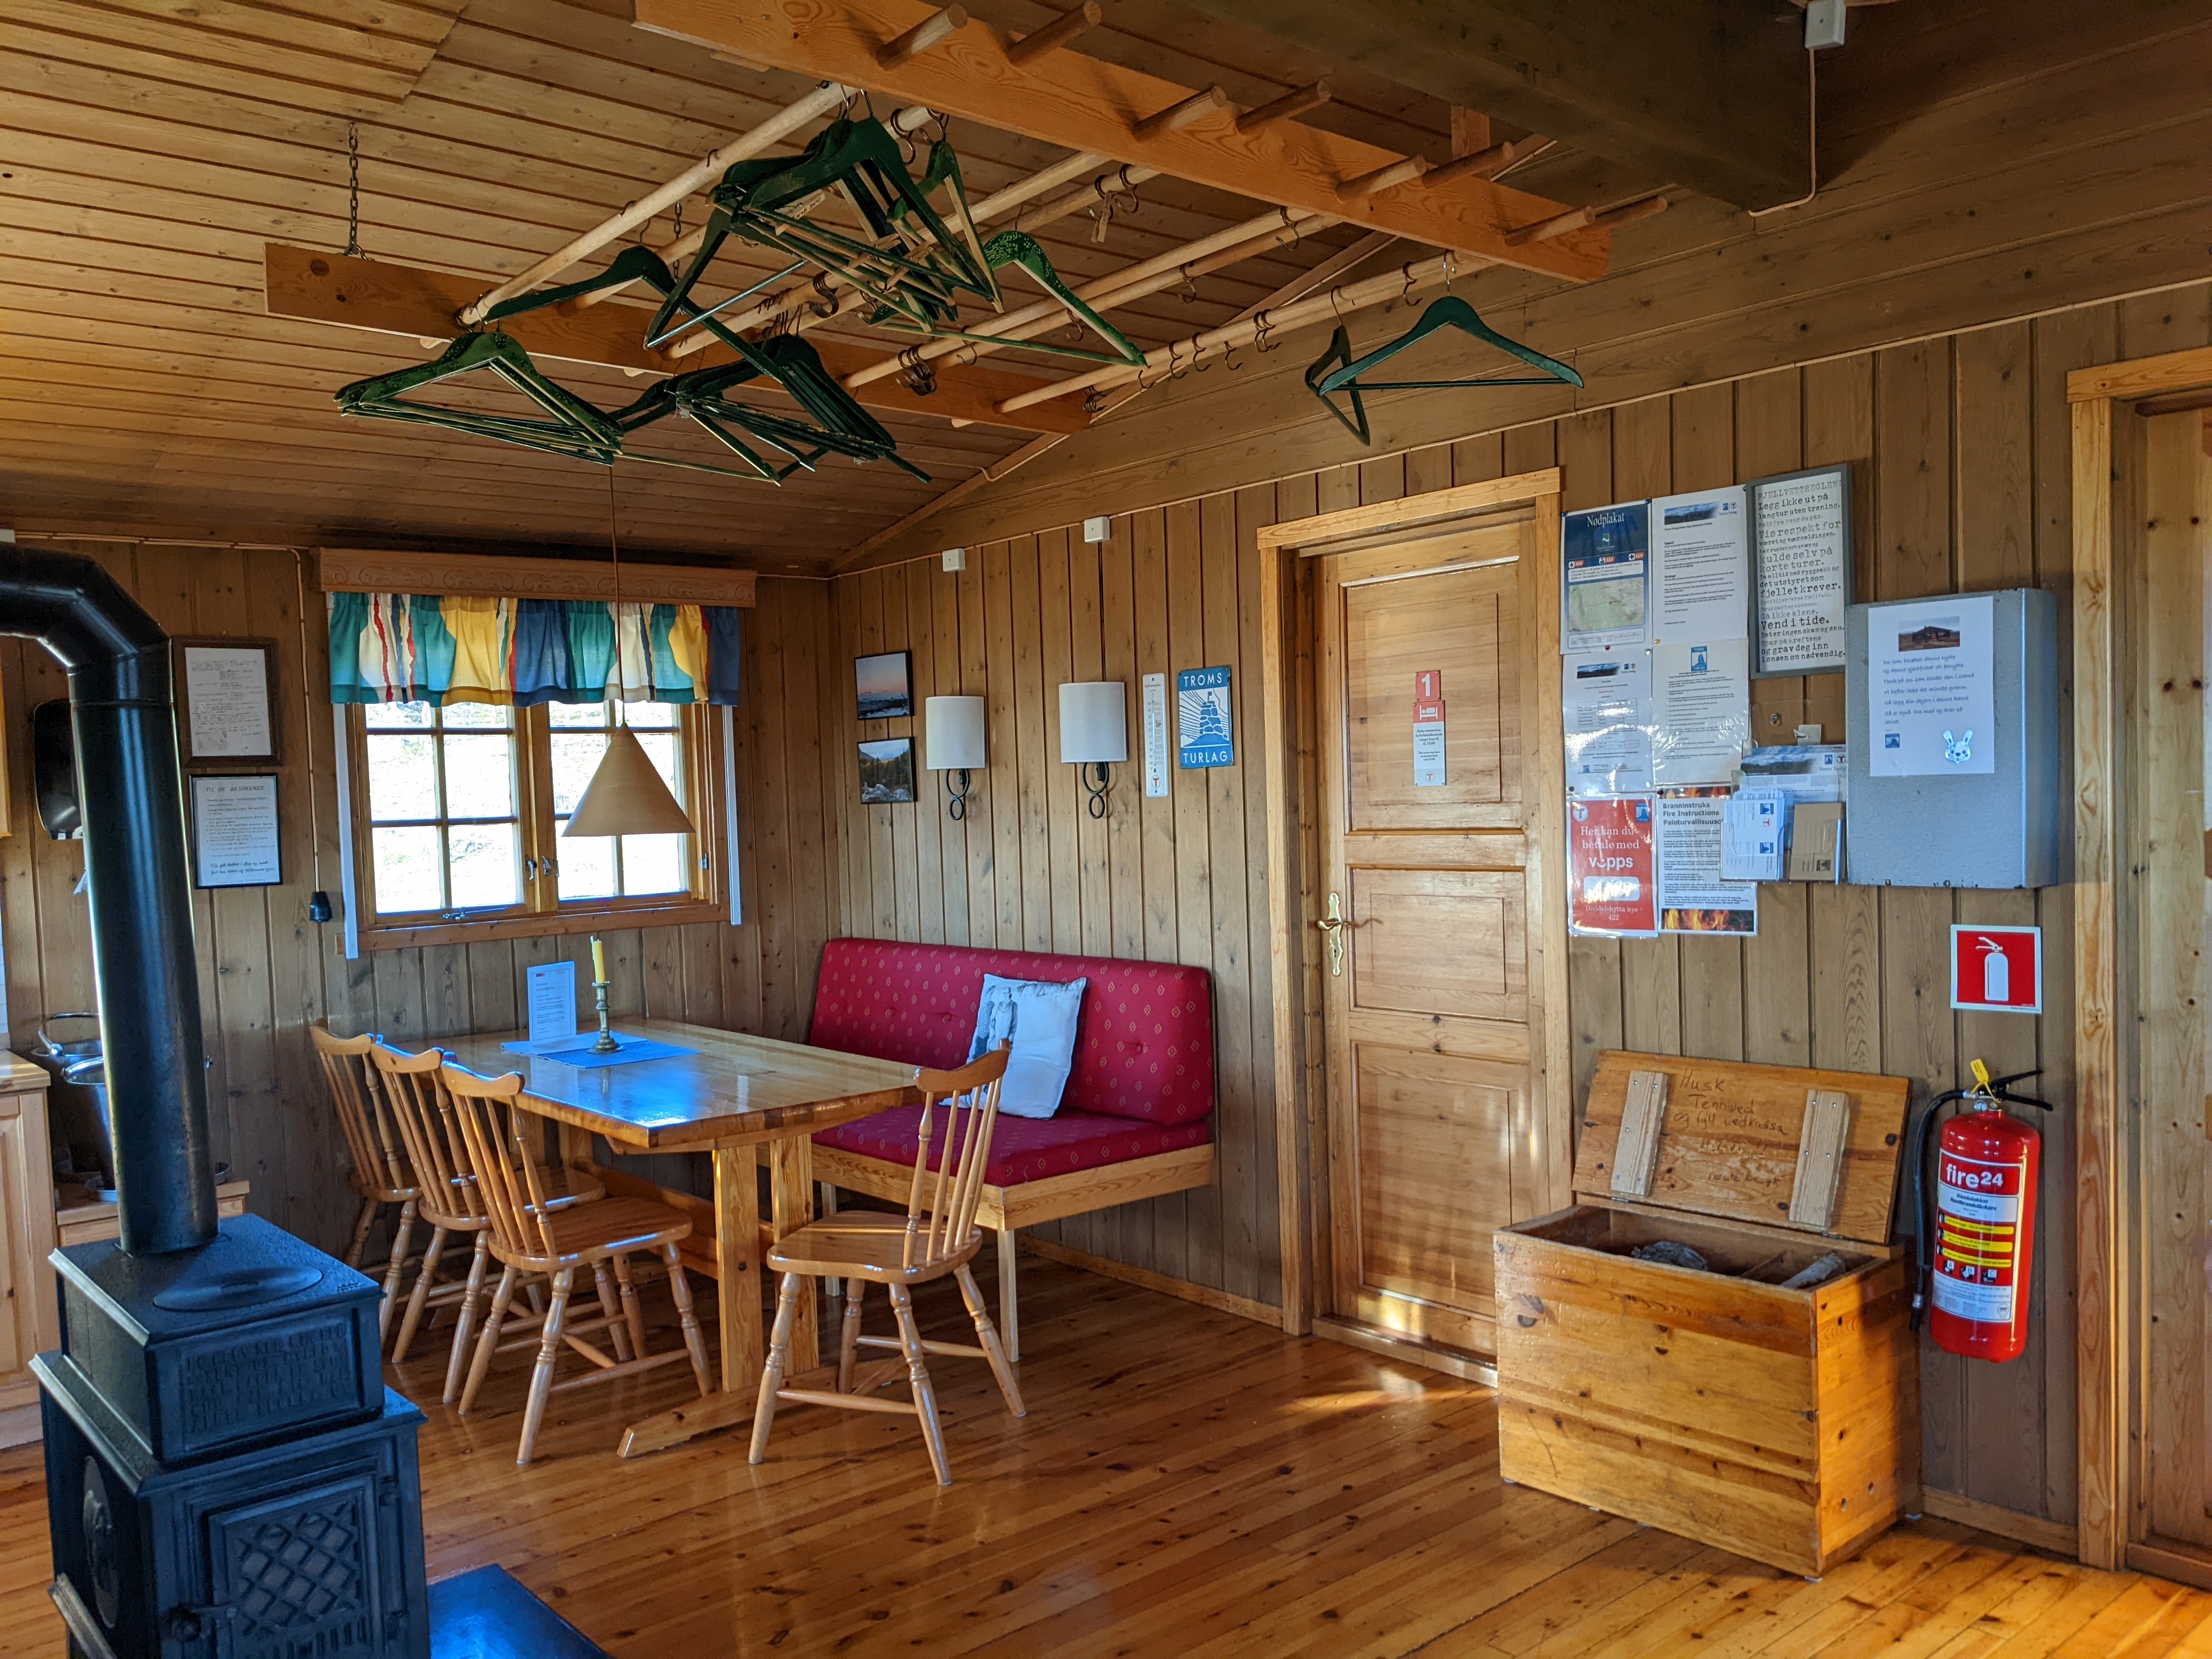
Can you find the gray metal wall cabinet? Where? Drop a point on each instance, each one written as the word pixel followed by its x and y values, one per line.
pixel 1969 829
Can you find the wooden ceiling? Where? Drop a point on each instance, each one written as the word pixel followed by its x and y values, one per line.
pixel 151 152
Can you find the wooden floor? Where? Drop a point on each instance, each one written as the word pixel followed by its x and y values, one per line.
pixel 1186 1483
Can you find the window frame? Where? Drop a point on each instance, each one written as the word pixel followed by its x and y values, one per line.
pixel 541 912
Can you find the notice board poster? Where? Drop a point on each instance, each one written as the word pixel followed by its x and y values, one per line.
pixel 1700 580
pixel 1606 555
pixel 1611 888
pixel 1694 897
pixel 1801 530
pixel 1931 702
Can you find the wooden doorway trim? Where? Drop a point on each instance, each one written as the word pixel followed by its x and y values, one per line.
pixel 1286 696
pixel 2107 1208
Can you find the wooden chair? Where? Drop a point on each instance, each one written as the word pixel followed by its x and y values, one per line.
pixel 448 1196
pixel 380 1173
pixel 937 1235
pixel 530 1235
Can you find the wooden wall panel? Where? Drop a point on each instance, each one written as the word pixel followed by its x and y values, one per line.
pixel 266 970
pixel 1959 448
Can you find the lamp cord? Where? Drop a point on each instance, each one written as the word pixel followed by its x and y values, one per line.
pixel 614 547
pixel 307 709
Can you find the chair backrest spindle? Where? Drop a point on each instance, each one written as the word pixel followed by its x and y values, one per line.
pixel 504 1138
pixel 379 1159
pixel 447 1174
pixel 939 1224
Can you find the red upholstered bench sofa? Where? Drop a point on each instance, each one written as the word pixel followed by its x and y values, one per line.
pixel 1136 1118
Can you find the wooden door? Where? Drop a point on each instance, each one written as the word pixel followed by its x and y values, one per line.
pixel 2172 905
pixel 1432 970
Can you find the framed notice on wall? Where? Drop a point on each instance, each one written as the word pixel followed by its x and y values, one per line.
pixel 227 701
pixel 234 839
pixel 1801 570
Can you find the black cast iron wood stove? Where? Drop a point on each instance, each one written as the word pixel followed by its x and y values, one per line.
pixel 225 1472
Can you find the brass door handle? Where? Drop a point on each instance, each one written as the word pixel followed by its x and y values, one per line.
pixel 1334 924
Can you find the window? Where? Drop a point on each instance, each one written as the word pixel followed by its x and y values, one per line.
pixel 458 812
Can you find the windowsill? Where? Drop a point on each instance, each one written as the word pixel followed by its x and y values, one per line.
pixel 675 914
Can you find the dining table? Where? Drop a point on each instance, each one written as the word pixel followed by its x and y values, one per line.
pixel 737 1097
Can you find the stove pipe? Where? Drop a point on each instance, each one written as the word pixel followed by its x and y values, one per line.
pixel 125 719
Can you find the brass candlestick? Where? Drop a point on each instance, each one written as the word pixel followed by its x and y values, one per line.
pixel 607 1044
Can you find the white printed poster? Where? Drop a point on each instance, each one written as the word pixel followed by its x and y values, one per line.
pixel 1700 711
pixel 1607 699
pixel 1693 898
pixel 1802 568
pixel 235 840
pixel 1605 555
pixel 227 701
pixel 1700 567
pixel 551 987
pixel 1931 707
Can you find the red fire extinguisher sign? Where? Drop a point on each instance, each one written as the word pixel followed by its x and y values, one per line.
pixel 1996 969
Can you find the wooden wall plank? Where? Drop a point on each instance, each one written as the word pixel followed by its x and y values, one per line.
pixel 1062 892
pixel 1777 982
pixel 1650 968
pixel 1702 442
pixel 1235 1185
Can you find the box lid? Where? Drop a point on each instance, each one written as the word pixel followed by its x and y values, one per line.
pixel 1731 1139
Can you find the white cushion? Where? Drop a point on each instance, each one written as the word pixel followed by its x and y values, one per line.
pixel 1040 1016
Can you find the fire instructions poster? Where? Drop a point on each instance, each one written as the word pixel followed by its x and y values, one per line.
pixel 1610 885
pixel 1930 708
pixel 1700 579
pixel 1606 554
pixel 1607 696
pixel 1693 897
pixel 1700 711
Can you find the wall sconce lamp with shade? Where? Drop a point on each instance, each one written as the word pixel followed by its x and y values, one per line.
pixel 952 741
pixel 1094 730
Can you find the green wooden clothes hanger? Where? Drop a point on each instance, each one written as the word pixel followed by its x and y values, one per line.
pixel 1450 311
pixel 576 429
pixel 838 425
pixel 1338 353
pixel 911 261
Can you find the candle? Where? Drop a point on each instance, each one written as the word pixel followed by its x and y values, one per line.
pixel 599 961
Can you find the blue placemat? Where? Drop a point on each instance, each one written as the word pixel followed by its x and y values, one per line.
pixel 633 1048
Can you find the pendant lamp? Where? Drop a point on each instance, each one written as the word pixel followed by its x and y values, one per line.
pixel 626 795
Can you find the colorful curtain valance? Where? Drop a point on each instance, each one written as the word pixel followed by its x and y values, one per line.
pixel 421 648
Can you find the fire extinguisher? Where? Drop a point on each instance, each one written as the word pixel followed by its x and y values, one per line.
pixel 1984 1221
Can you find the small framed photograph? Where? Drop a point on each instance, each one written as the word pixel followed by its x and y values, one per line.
pixel 227 701
pixel 884 686
pixel 887 771
pixel 235 835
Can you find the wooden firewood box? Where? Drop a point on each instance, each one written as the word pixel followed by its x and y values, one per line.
pixel 1782 1423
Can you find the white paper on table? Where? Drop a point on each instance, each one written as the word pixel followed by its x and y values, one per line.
pixel 234 837
pixel 227 699
pixel 1931 708
pixel 1700 567
pixel 1689 837
pixel 1804 561
pixel 551 989
pixel 1700 711
pixel 1605 696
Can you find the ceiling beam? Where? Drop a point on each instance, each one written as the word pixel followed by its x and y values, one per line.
pixel 1709 93
pixel 313 286
pixel 1083 103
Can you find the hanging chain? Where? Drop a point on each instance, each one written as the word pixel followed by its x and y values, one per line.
pixel 353 192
